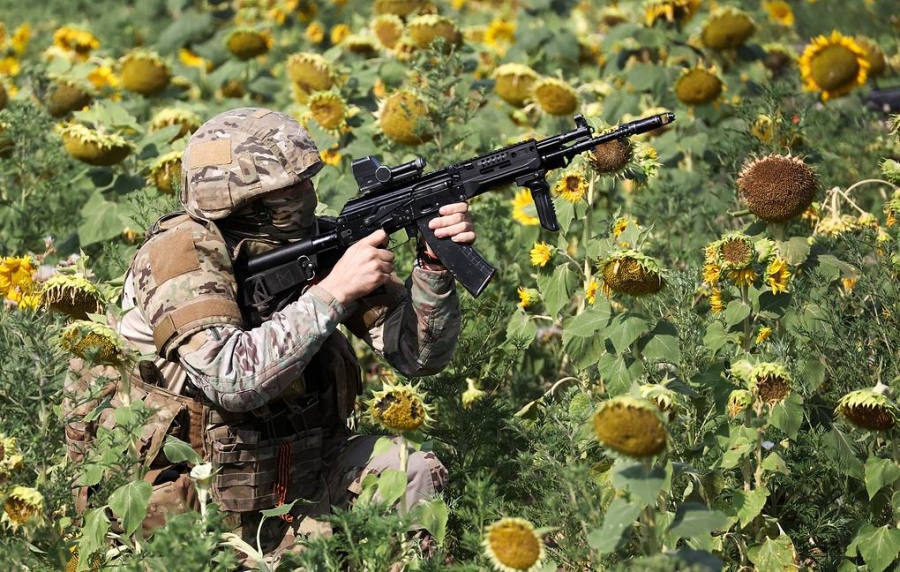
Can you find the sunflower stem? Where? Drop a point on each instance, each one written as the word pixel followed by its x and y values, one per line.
pixel 404 461
pixel 745 299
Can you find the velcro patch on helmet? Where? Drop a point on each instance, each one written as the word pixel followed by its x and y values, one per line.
pixel 206 153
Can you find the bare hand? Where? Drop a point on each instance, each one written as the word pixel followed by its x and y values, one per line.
pixel 454 223
pixel 364 267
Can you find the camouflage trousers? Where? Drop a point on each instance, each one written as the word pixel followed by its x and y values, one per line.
pixel 342 483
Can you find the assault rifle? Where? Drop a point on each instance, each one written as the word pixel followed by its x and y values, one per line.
pixel 405 198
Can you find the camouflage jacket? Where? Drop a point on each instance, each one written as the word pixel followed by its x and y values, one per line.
pixel 181 304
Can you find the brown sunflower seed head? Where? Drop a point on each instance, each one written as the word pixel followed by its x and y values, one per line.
pixel 630 426
pixel 94 342
pixel 777 188
pixel 612 156
pixel 65 96
pixel 770 382
pixel 869 410
pixel 74 296
pixel 736 251
pixel 630 272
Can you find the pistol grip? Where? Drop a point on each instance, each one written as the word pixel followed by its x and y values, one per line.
pixel 463 261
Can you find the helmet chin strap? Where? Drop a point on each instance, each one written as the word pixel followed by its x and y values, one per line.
pixel 265 224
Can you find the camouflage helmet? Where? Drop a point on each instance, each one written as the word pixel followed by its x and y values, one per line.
pixel 243 154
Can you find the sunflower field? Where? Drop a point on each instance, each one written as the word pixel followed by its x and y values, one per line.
pixel 699 371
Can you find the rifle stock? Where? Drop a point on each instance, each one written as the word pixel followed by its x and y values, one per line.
pixel 406 198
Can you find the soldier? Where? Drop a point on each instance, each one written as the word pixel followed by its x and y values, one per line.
pixel 276 396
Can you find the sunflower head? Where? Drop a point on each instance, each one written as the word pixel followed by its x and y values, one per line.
pixel 727 28
pixel 22 505
pixel 94 146
pixel 10 459
pixel 388 28
pixel 514 83
pixel 833 65
pixel 309 72
pixel 248 43
pixel 664 398
pixel 403 118
pixel 144 72
pixel 186 120
pixel 670 12
pixel 735 251
pixel 524 210
pixel 72 295
pixel 400 407
pixel 67 95
pixel 698 85
pixel 631 426
pixel 94 342
pixel 555 96
pixel 868 409
pixel 777 188
pixel 779 12
pixel 513 545
pixel 328 109
pixel 631 272
pixel 541 253
pixel 612 156
pixel 427 29
pixel 738 401
pixel 472 393
pixel 399 7
pixel 778 57
pixel 875 55
pixel 571 187
pixel 165 171
pixel 770 382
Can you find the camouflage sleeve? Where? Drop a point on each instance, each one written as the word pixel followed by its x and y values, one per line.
pixel 413 326
pixel 241 370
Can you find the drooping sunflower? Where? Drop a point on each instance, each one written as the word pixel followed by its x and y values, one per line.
pixel 631 272
pixel 868 409
pixel 23 504
pixel 66 95
pixel 328 109
pixel 699 85
pixel 472 393
pixel 309 72
pixel 612 156
pixel 669 402
pixel 727 28
pixel 427 29
pixel 166 171
pixel 400 407
pixel 770 382
pixel 833 65
pixel 388 28
pixel 144 72
pixel 248 43
pixel 94 146
pixel 94 342
pixel 527 296
pixel 72 295
pixel 404 117
pixel 763 335
pixel 716 303
pixel 590 293
pixel 778 57
pixel 555 96
pixel 524 210
pixel 670 12
pixel 76 41
pixel 514 83
pixel 778 275
pixel 875 55
pixel 188 121
pixel 513 545
pixel 399 7
pixel 10 459
pixel 631 426
pixel 571 187
pixel 777 188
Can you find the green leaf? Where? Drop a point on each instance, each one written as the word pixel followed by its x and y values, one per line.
pixel 878 546
pixel 775 464
pixel 91 474
pixel 788 415
pixel 521 330
pixel 619 371
pixel 696 519
pixel 843 452
pixel 583 351
pixel 279 510
pixel 774 555
pixel 433 515
pixel 391 485
pixel 557 289
pixel 662 344
pixel 565 214
pixel 735 312
pixel 620 515
pixel 879 474
pixel 639 481
pixel 589 322
pixel 717 337
pixel 624 330
pixel 129 503
pixel 102 220
pixel 177 451
pixel 794 251
pixel 748 504
pixel 833 268
pixel 93 536
pixel 772 306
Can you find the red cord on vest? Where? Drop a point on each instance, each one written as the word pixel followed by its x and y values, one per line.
pixel 283 478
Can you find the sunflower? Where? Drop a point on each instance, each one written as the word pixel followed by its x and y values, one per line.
pixel 328 109
pixel 388 28
pixel 192 60
pixel 66 95
pixel 400 407
pixel 315 32
pixel 144 72
pixel 513 545
pixel 94 146
pixel 541 253
pixel 612 156
pixel 79 42
pixel 571 187
pixel 777 188
pixel 166 170
pixel 555 96
pixel 669 11
pixel 10 459
pixel 404 118
pixel 868 409
pixel 770 382
pixel 735 251
pixel 743 276
pixel 23 504
pixel 668 401
pixel 727 28
pixel 712 272
pixel 187 121
pixel 103 77
pixel 472 393
pixel 399 7
pixel 631 272
pixel 778 57
pixel 94 342
pixel 590 293
pixel 833 65
pixel 427 29
pixel 72 295
pixel 631 426
pixel 738 401
pixel 339 33
pixel 779 11
pixel 763 334
pixel 523 208
pixel 527 296
pixel 698 85
pixel 875 55
pixel 778 275
pixel 309 72
pixel 248 43
pixel 716 304
pixel 514 83
pixel 500 34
